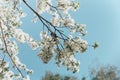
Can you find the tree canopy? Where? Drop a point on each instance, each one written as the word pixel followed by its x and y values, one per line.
pixel 53 39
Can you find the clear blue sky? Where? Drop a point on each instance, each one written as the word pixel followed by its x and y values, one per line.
pixel 102 18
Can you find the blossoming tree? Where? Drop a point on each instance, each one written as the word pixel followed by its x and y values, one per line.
pixel 50 76
pixel 53 39
pixel 108 72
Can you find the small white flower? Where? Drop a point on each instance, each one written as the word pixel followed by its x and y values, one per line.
pixel 43 5
pixel 34 45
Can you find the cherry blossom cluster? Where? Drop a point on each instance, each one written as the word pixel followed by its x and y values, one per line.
pixel 64 53
pixel 10 34
pixel 61 36
pixel 7 74
pixel 56 41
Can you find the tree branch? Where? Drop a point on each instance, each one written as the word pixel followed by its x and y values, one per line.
pixel 42 19
pixel 6 50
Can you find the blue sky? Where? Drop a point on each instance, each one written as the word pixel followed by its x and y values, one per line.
pixel 102 18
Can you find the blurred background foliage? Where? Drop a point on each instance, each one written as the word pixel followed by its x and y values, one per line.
pixel 108 72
